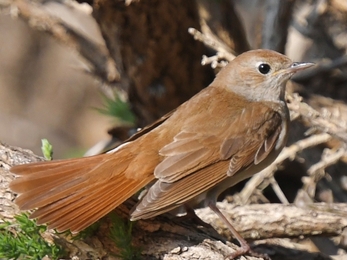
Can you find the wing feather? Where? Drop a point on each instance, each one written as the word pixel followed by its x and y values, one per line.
pixel 203 159
pixel 163 196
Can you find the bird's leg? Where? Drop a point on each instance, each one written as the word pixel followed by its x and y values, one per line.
pixel 244 246
pixel 190 213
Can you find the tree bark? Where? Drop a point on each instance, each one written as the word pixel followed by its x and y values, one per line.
pixel 158 60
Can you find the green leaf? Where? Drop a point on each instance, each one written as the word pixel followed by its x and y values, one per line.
pixel 47 149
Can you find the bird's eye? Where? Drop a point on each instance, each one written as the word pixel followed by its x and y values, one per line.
pixel 264 68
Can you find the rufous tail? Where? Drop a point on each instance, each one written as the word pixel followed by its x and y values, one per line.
pixel 73 194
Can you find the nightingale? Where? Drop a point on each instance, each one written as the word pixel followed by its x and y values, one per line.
pixel 229 131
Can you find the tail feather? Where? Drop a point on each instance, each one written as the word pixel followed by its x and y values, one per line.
pixel 88 213
pixel 50 193
pixel 39 174
pixel 54 211
pixel 85 212
pixel 67 180
pixel 38 167
pixel 78 205
pixel 72 194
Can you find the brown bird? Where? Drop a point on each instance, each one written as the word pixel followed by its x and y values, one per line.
pixel 229 131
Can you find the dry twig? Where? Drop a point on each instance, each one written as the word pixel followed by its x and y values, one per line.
pixel 313 118
pixel 223 52
pixel 317 171
pixel 287 153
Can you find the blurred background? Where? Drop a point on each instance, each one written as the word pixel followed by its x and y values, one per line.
pixel 67 66
pixel 44 91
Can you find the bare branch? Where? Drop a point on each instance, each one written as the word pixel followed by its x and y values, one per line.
pixel 317 171
pixel 259 221
pixel 223 52
pixel 287 153
pixel 278 191
pixel 336 128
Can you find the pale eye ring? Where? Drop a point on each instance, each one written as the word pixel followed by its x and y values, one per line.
pixel 264 68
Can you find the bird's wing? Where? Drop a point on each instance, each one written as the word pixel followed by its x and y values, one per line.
pixel 244 138
pixel 202 158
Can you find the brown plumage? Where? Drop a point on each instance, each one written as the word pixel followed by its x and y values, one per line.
pixel 224 134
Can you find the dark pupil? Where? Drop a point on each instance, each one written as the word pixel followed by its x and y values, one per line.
pixel 264 68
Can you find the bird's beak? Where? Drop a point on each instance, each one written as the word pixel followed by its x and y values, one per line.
pixel 298 66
